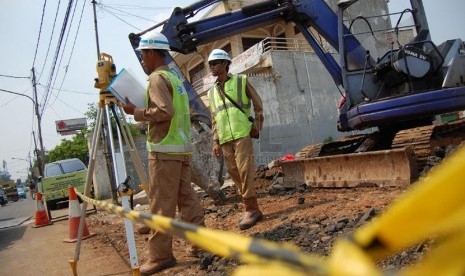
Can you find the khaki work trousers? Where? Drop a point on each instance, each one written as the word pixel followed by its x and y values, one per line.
pixel 170 186
pixel 241 165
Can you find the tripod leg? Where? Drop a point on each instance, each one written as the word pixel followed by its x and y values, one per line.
pixel 120 175
pixel 132 149
pixel 90 173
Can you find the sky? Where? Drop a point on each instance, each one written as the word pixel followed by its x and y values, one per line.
pixel 71 89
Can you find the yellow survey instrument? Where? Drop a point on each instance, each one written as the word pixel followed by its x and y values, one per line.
pixel 106 70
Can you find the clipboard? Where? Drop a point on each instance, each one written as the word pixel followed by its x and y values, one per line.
pixel 125 85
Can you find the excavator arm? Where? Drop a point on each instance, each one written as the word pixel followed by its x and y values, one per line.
pixel 370 101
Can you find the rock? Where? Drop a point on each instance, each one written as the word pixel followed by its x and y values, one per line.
pixel 143 230
pixel 365 217
pixel 325 238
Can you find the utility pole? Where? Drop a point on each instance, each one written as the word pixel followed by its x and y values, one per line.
pixel 41 154
pixel 96 29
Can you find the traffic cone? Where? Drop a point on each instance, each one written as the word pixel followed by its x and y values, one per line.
pixel 75 218
pixel 42 218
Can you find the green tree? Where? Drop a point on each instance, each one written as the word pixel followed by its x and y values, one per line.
pixel 77 146
pixel 74 148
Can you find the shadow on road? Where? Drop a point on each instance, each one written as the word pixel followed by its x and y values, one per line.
pixel 10 235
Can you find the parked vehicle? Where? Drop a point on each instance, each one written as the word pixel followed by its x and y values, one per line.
pixel 10 190
pixel 58 176
pixel 21 192
pixel 3 197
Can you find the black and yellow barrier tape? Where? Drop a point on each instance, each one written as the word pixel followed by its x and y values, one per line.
pixel 434 207
pixel 222 243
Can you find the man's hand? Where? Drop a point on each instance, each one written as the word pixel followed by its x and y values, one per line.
pixel 254 133
pixel 129 107
pixel 217 151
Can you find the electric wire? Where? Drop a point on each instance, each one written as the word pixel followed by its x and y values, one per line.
pixel 67 90
pixel 50 42
pixel 14 77
pixel 117 17
pixel 63 53
pixel 57 51
pixel 125 13
pixel 127 6
pixel 40 31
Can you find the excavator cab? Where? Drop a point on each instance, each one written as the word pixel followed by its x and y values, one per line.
pixel 402 77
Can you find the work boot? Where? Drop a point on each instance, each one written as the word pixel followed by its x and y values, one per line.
pixel 252 213
pixel 152 267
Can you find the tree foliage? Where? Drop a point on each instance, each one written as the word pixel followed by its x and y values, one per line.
pixel 74 148
pixel 77 146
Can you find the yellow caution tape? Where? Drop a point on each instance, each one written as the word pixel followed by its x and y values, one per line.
pixel 446 259
pixel 435 206
pixel 222 243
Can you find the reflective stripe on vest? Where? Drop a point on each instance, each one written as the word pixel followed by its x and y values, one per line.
pixel 178 140
pixel 223 110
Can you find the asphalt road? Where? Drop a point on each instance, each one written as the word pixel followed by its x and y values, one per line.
pixel 25 250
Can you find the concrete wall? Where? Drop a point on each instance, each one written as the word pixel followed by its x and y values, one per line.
pixel 300 105
pixel 102 185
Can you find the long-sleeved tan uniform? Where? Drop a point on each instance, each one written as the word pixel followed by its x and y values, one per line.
pixel 239 153
pixel 170 174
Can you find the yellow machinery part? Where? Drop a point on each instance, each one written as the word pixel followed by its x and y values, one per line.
pixel 381 168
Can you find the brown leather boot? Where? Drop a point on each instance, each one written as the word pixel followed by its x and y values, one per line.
pixel 152 267
pixel 252 213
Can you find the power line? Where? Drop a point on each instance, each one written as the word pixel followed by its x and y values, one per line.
pixel 50 42
pixel 71 54
pixel 67 90
pixel 126 13
pixel 63 53
pixel 40 31
pixel 103 8
pixel 57 51
pixel 126 6
pixel 14 77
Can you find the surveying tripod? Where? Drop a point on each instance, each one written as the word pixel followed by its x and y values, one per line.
pixel 117 169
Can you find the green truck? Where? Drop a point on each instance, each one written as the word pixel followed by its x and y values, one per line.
pixel 58 176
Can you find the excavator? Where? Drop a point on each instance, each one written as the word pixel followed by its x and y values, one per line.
pixel 391 87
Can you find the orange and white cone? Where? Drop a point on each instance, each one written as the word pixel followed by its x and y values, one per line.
pixel 42 218
pixel 75 219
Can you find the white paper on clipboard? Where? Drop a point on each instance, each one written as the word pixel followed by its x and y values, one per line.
pixel 125 85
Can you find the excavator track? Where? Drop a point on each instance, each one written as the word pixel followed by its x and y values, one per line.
pixel 341 146
pixel 335 164
pixel 424 140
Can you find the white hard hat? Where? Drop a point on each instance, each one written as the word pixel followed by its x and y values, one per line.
pixel 153 40
pixel 219 54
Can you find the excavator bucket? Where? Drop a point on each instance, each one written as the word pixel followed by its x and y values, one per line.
pixel 395 167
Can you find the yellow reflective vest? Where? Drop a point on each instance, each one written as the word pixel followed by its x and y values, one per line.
pixel 231 123
pixel 178 140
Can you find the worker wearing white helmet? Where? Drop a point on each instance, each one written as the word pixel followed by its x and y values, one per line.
pixel 231 99
pixel 170 147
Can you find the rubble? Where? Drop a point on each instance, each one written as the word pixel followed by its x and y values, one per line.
pixel 310 218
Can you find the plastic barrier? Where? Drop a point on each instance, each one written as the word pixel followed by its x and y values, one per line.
pixel 434 207
pixel 42 218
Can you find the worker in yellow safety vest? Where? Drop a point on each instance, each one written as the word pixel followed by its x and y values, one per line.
pixel 233 127
pixel 169 145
